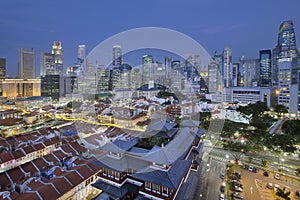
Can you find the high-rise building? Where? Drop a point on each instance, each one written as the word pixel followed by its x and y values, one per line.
pixel 285 49
pixel 214 77
pixel 147 68
pixel 117 56
pixel 47 64
pixel 58 57
pixel 235 74
pixel 81 53
pixel 2 68
pixel 2 72
pixel 26 63
pixel 250 71
pixel 288 85
pixel 103 80
pixel 226 71
pixel 265 68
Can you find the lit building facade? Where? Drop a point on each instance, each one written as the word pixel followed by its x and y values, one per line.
pixel 265 68
pixel 13 88
pixel 147 65
pixel 117 56
pixel 226 71
pixel 58 57
pixel 250 68
pixel 47 64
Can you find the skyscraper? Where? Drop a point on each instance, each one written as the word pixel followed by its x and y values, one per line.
pixel 81 53
pixel 2 68
pixel 117 56
pixel 226 72
pixel 2 72
pixel 265 68
pixel 26 63
pixel 147 62
pixel 47 64
pixel 250 71
pixel 285 49
pixel 58 57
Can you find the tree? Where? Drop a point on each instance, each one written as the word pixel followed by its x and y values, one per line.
pixel 280 109
pixel 264 162
pixel 297 171
pixel 237 150
pixel 250 159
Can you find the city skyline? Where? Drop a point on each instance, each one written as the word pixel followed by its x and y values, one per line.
pixel 28 25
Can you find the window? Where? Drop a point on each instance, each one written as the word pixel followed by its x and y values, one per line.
pixel 155 188
pixel 147 185
pixel 165 191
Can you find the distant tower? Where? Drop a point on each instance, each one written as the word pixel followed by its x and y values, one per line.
pixel 265 68
pixel 226 72
pixel 2 68
pixel 81 53
pixel 26 63
pixel 147 71
pixel 117 56
pixel 57 51
pixel 47 61
pixel 2 72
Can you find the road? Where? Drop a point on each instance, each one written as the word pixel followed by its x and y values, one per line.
pixel 210 185
pixel 274 162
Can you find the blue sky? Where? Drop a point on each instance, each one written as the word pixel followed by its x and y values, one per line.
pixel 247 26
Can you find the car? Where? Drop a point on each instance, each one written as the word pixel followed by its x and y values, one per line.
pixel 266 174
pixel 297 193
pixel 237 195
pixel 277 176
pixel 222 196
pixel 276 186
pixel 246 166
pixel 222 188
pixel 270 185
pixel 222 175
pixel 250 168
pixel 255 170
pixel 238 189
pixel 239 184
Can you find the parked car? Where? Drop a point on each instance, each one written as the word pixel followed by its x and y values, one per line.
pixel 250 168
pixel 222 188
pixel 266 174
pixel 239 184
pixel 237 195
pixel 277 176
pixel 270 185
pixel 222 196
pixel 222 175
pixel 297 193
pixel 238 189
pixel 246 166
pixel 255 170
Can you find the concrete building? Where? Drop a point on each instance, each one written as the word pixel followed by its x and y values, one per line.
pixel 245 95
pixel 26 64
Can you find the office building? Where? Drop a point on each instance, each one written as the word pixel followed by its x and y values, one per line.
pixel 147 68
pixel 81 53
pixel 26 63
pixel 117 56
pixel 55 86
pixel 250 72
pixel 226 69
pixel 288 85
pixel 58 57
pixel 2 72
pixel 235 74
pixel 265 68
pixel 214 77
pixel 47 64
pixel 285 49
